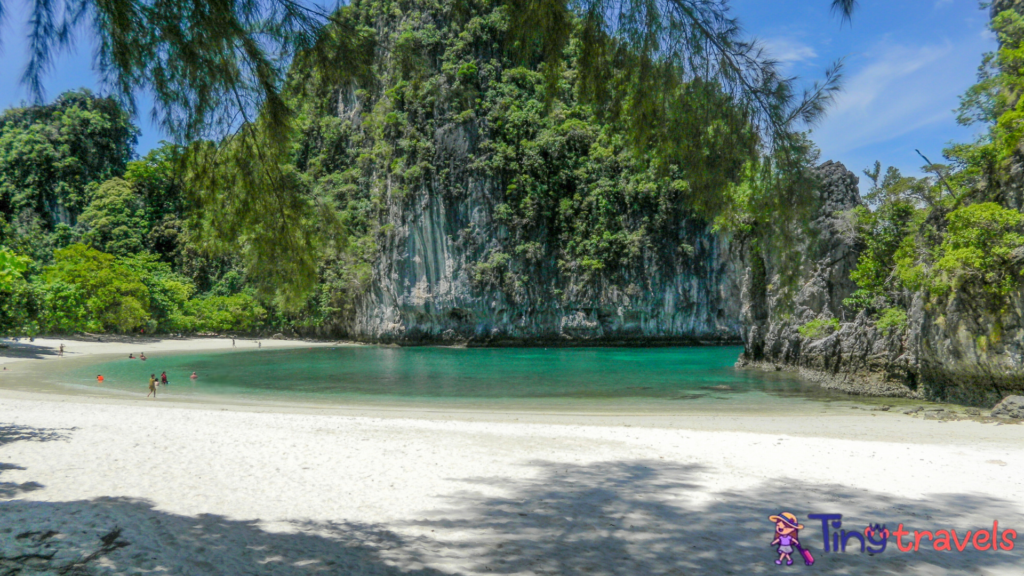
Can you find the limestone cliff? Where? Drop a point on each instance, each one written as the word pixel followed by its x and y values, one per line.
pixel 485 211
pixel 489 211
pixel 953 349
pixel 960 343
pixel 423 292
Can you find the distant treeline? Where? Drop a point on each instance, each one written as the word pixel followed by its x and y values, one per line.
pixel 97 242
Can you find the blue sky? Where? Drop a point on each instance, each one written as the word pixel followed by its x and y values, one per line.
pixel 907 61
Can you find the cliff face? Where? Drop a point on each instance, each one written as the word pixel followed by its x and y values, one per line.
pixel 965 353
pixel 960 343
pixel 423 292
pixel 495 213
pixel 952 350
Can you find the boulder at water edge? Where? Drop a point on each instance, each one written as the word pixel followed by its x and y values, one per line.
pixel 1012 406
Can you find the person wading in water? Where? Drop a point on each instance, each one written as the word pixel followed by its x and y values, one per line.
pixel 152 386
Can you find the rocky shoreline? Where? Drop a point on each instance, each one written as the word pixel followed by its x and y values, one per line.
pixel 557 341
pixel 1009 409
pixel 858 383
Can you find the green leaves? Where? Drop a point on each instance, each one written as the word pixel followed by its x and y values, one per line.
pixel 115 297
pixel 88 290
pixel 492 271
pixel 996 99
pixel 63 309
pixel 206 64
pixel 891 321
pixel 882 231
pixel 265 211
pixel 237 313
pixel 224 76
pixel 51 156
pixel 115 219
pixel 953 232
pixel 819 328
pixel 168 291
pixel 12 266
pixel 981 248
pixel 668 43
pixel 984 246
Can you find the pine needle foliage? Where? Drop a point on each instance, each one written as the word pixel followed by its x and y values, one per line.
pixel 212 65
pixel 682 40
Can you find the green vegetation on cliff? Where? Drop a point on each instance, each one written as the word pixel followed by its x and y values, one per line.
pixel 391 102
pixel 961 229
pixel 634 63
pixel 819 328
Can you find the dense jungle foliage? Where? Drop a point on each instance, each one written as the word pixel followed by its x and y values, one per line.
pixel 126 251
pixel 211 66
pixel 960 229
pixel 449 110
pixel 95 241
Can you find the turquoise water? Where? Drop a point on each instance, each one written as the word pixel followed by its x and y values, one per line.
pixel 603 377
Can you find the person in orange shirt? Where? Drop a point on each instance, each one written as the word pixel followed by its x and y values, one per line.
pixel 99 378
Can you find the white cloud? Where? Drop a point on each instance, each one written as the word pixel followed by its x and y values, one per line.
pixel 788 50
pixel 897 90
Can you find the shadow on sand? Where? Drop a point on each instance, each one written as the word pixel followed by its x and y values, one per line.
pixel 13 433
pixel 621 518
pixel 157 542
pixel 26 350
pixel 652 518
pixel 124 535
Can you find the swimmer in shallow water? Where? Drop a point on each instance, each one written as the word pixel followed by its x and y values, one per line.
pixel 193 376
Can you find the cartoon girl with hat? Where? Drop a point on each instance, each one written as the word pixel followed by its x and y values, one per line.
pixel 786 532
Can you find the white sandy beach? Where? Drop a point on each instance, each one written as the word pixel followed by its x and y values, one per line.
pixel 234 491
pixel 47 348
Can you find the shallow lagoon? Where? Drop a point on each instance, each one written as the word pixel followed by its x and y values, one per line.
pixel 563 379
